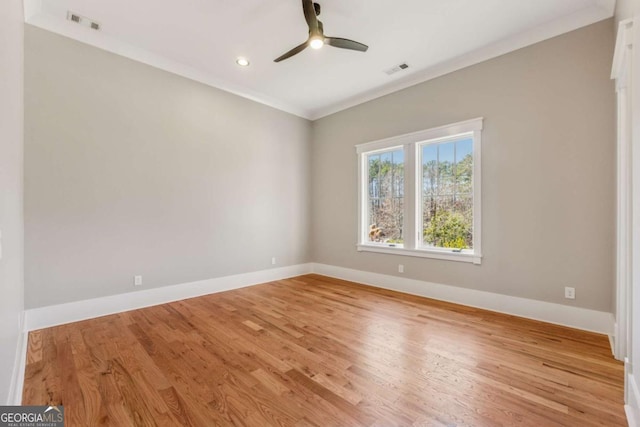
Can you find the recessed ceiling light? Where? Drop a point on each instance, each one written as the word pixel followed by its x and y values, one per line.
pixel 243 62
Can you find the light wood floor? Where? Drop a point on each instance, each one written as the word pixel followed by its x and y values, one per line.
pixel 314 351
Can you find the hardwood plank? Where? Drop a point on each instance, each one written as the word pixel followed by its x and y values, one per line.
pixel 317 351
pixel 34 352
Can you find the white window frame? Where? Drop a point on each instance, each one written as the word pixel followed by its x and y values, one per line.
pixel 412 227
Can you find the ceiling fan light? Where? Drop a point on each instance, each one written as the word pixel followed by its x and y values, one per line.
pixel 316 43
pixel 243 62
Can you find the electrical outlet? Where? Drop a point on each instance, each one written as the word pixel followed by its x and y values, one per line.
pixel 273 261
pixel 400 268
pixel 570 293
pixel 137 280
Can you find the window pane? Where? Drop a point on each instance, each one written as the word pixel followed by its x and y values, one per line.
pixel 463 208
pixel 386 197
pixel 429 169
pixel 464 166
pixel 447 205
pixel 398 174
pixel 385 174
pixel 446 160
pixel 374 166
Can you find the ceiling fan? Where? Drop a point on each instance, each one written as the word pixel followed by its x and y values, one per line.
pixel 317 39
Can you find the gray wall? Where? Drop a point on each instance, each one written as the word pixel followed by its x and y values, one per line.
pixel 11 218
pixel 130 170
pixel 548 177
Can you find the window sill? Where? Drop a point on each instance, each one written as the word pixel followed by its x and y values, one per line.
pixel 423 253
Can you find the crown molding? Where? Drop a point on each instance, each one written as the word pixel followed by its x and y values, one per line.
pixel 603 9
pixel 588 16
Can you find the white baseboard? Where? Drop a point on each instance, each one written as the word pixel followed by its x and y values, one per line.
pixel 575 317
pixel 632 407
pixel 612 338
pixel 17 378
pixel 581 318
pixel 44 317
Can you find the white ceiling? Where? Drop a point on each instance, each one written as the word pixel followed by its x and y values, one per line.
pixel 200 39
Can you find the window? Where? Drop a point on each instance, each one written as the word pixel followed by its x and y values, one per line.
pixel 420 193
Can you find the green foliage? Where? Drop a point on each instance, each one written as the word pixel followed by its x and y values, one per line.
pixel 464 174
pixel 398 241
pixel 448 230
pixel 458 243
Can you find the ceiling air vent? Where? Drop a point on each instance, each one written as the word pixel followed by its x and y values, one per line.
pixel 399 67
pixel 82 20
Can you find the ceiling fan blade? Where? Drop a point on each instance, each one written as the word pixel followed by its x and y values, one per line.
pixel 310 15
pixel 292 52
pixel 316 34
pixel 345 44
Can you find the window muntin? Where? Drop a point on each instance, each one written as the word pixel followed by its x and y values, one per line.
pixel 433 210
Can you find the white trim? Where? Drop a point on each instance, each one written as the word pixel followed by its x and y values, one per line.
pixel 603 10
pixel 624 41
pixel 574 317
pixel 632 417
pixel 14 397
pixel 563 25
pixel 612 337
pixel 44 317
pixel 477 195
pixel 411 237
pixel 632 407
pixel 102 41
pixel 622 73
pixel 444 131
pixel 362 210
pixel 410 143
pixel 422 253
